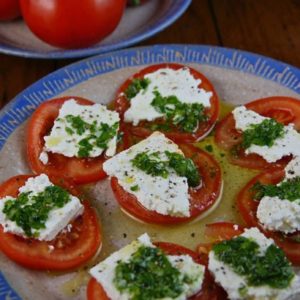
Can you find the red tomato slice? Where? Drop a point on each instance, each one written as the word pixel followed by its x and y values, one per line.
pixel 219 231
pixel 202 198
pixel 209 291
pixel 121 104
pixel 79 170
pixel 248 208
pixel 71 249
pixel 283 109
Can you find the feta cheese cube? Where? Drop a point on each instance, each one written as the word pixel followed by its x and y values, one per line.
pixel 233 282
pixel 167 196
pixel 104 272
pixel 58 218
pixel 288 144
pixel 277 214
pixel 167 82
pixel 63 142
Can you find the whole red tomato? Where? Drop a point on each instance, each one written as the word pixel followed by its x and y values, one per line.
pixel 9 9
pixel 72 23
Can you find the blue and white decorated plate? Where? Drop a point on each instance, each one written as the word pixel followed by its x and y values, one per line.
pixel 238 78
pixel 137 24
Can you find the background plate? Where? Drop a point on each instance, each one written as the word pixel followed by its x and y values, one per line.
pixel 237 76
pixel 137 24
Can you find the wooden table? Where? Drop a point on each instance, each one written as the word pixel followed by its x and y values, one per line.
pixel 268 27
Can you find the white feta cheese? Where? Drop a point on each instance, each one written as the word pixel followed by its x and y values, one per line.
pixel 167 82
pixel 232 282
pixel 61 142
pixel 167 196
pixel 104 272
pixel 288 144
pixel 292 169
pixel 58 218
pixel 277 214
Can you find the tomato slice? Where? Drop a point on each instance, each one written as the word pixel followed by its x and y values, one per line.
pixel 67 251
pixel 201 199
pixel 79 170
pixel 143 129
pixel 283 109
pixel 248 208
pixel 219 231
pixel 209 290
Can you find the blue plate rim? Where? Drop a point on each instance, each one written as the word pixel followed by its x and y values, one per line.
pixel 176 11
pixel 20 108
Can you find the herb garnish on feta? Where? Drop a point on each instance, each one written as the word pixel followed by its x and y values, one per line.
pixel 265 136
pixel 142 271
pixel 82 131
pixel 157 173
pixel 41 210
pixel 171 94
pixel 252 266
pixel 279 204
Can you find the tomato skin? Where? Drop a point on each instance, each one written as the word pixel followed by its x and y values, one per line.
pixel 72 23
pixel 283 109
pixel 209 291
pixel 221 231
pixel 121 104
pixel 248 208
pixel 79 170
pixel 9 10
pixel 201 199
pixel 71 249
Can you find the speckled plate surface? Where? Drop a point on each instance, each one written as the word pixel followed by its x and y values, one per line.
pixel 238 78
pixel 137 24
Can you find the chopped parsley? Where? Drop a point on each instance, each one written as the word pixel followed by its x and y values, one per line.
pixel 184 167
pixel 135 188
pixel 286 190
pixel 152 164
pixel 137 85
pixel 98 135
pixel 30 212
pixel 186 116
pixel 243 256
pixel 149 275
pixel 262 134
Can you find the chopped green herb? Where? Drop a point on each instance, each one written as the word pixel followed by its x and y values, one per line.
pixel 263 134
pixel 136 86
pixel 186 116
pixel 243 256
pixel 152 164
pixel 77 124
pixel 184 167
pixel 103 134
pixel 31 212
pixel 149 275
pixel 209 148
pixel 69 131
pixel 135 188
pixel 288 190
